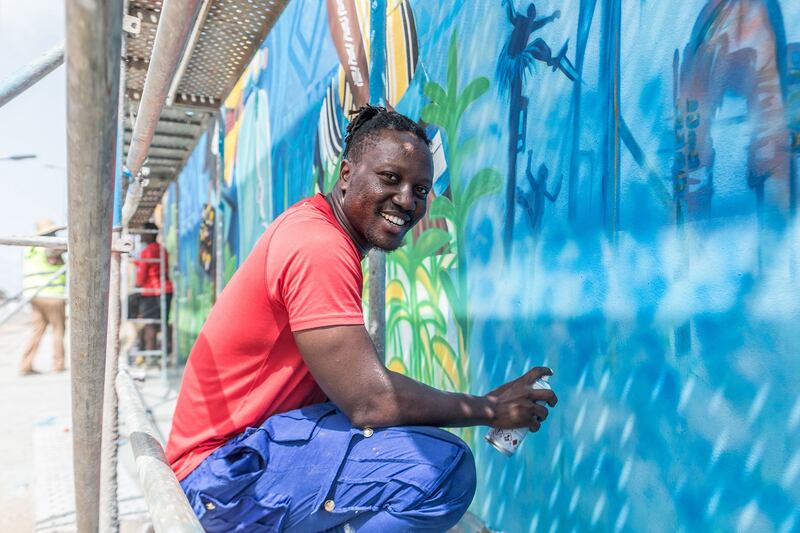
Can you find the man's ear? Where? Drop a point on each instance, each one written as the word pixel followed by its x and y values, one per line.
pixel 345 170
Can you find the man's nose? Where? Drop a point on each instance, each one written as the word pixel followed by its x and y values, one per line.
pixel 404 198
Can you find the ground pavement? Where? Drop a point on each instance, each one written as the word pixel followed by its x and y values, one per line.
pixel 36 481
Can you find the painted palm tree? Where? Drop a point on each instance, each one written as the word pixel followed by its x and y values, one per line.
pixel 515 61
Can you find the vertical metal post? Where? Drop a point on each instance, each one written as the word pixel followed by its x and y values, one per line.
pixel 109 511
pixel 162 302
pixel 92 54
pixel 376 261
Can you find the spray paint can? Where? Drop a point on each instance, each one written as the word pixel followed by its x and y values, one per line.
pixel 506 441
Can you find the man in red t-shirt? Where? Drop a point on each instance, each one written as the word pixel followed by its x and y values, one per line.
pixel 286 418
pixel 148 278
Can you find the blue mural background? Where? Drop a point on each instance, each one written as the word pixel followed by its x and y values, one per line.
pixel 615 198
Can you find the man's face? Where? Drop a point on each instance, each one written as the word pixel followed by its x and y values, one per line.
pixel 386 187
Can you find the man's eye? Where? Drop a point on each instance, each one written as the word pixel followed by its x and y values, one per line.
pixel 422 192
pixel 390 176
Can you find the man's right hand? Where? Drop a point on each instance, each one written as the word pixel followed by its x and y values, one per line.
pixel 514 402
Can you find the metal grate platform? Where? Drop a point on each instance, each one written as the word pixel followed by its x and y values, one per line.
pixel 231 33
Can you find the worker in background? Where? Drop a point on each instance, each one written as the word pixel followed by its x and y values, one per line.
pixel 148 278
pixel 287 420
pixel 40 266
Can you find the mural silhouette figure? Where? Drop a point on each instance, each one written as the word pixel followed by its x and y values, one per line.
pixel 532 202
pixel 516 59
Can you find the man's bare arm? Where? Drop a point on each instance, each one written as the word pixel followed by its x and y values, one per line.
pixel 344 362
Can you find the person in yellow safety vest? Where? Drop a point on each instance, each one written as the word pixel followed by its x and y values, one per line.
pixel 39 266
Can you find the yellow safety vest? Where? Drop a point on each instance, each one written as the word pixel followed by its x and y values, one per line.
pixel 36 270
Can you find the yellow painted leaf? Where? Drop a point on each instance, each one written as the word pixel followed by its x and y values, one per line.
pixel 397 365
pixel 395 291
pixel 446 358
pixel 425 280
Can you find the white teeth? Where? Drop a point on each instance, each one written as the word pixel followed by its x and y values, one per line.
pixel 397 221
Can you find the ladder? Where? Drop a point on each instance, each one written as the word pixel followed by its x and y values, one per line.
pixel 137 354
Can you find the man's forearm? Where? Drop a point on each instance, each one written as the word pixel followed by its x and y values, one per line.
pixel 408 402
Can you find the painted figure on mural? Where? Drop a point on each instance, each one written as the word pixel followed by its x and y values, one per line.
pixel 514 63
pixel 736 56
pixel 532 202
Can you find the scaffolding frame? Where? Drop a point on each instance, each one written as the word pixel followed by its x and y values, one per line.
pixel 98 90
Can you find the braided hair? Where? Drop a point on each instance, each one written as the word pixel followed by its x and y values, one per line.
pixel 369 120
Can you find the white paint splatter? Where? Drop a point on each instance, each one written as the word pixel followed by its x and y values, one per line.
pixel 713 502
pixel 686 393
pixel 556 455
pixel 754 457
pixel 790 475
pixel 625 474
pixel 627 430
pixel 622 518
pixel 554 495
pixel 598 465
pixel 598 508
pixel 719 447
pixel 657 388
pixel 794 417
pixel 758 403
pixel 534 523
pixel 573 502
pixel 579 420
pixel 627 388
pixel 578 456
pixel 716 401
pixel 746 516
pixel 603 383
pixel 601 424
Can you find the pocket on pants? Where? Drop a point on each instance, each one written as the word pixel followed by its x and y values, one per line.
pixel 235 466
pixel 243 514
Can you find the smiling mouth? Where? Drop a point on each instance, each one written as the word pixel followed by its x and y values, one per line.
pixel 396 220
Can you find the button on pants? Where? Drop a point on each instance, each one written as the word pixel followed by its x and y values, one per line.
pixel 309 470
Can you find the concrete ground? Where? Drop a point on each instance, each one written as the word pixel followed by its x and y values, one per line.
pixel 36 481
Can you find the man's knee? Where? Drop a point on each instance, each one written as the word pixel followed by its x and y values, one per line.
pixel 452 496
pixel 461 483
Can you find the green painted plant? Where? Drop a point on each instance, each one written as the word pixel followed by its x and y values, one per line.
pixel 446 109
pixel 417 310
pixel 418 273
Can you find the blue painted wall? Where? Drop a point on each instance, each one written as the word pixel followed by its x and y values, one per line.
pixel 615 197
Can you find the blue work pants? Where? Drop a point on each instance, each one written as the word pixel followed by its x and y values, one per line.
pixel 309 470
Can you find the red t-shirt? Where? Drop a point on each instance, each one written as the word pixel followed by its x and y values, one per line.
pixel 304 273
pixel 148 273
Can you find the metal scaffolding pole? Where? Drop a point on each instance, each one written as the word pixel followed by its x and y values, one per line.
pixel 109 510
pixel 92 53
pixel 376 262
pixel 174 25
pixel 29 75
pixel 168 506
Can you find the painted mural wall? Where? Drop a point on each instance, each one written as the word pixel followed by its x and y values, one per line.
pixel 189 215
pixel 615 197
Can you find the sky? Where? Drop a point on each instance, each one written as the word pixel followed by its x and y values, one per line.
pixel 32 123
